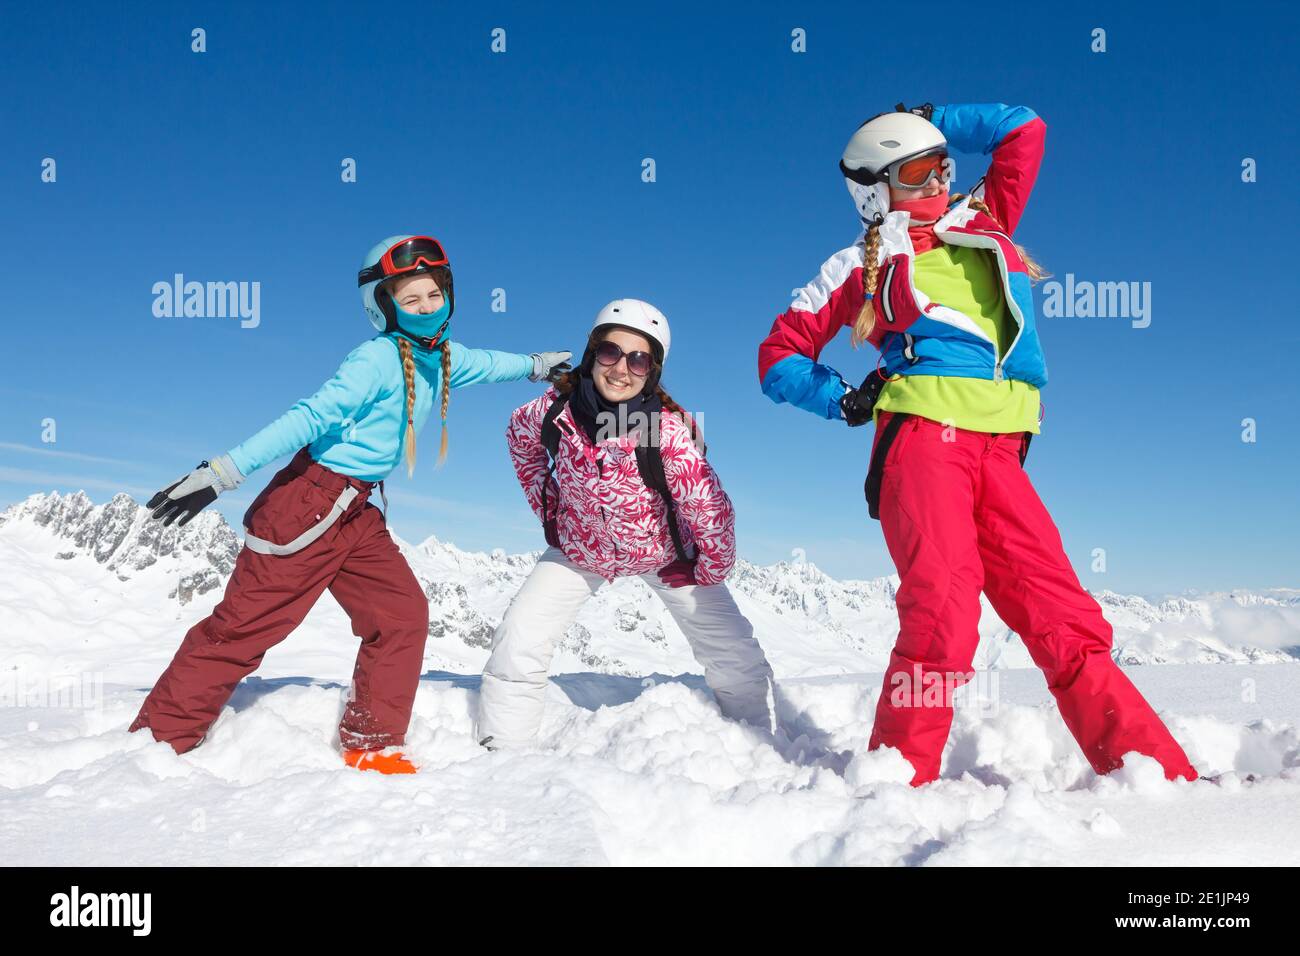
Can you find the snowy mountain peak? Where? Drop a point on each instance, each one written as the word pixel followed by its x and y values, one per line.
pixel 120 536
pixel 810 622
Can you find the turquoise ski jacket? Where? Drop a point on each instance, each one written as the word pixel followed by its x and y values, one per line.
pixel 355 423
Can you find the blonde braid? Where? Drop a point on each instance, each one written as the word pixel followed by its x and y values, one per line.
pixel 866 320
pixel 445 348
pixel 408 372
pixel 1035 271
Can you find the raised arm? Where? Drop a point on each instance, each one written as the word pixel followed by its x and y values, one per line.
pixel 1014 135
pixel 354 385
pixel 701 503
pixel 787 359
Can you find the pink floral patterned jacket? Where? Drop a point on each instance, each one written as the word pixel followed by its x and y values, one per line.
pixel 607 520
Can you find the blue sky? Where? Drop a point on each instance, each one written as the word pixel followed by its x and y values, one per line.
pixel 224 166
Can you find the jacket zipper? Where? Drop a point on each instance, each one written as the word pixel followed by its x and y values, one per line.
pixel 604 513
pixel 885 304
pixel 1006 290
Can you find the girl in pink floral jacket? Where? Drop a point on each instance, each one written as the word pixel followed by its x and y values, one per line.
pixel 615 471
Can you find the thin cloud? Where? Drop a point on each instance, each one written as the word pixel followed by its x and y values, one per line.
pixel 58 453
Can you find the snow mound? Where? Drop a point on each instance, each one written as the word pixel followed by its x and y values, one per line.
pixel 634 772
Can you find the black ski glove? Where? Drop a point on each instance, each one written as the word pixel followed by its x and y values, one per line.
pixel 195 491
pixel 857 404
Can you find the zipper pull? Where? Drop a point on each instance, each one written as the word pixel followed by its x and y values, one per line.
pixel 997 371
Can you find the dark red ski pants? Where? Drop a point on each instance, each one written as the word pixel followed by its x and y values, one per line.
pixel 959 516
pixel 269 595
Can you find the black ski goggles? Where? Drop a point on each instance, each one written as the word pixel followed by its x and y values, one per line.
pixel 410 255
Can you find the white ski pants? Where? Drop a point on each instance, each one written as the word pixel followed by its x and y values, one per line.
pixel 515 680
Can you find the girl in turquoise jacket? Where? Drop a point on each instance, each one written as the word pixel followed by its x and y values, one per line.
pixel 313 528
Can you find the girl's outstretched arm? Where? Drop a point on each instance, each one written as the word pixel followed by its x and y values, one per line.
pixel 354 385
pixel 787 359
pixel 471 366
pixel 1014 135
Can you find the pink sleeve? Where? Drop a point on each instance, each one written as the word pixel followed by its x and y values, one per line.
pixel 532 463
pixel 1014 135
pixel 1013 171
pixel 701 503
pixel 820 310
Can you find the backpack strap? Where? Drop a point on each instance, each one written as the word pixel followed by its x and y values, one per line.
pixel 551 430
pixel 551 442
pixel 650 463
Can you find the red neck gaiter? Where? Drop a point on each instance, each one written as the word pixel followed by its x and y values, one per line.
pixel 923 213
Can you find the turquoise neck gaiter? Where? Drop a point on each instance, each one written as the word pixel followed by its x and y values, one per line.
pixel 426 327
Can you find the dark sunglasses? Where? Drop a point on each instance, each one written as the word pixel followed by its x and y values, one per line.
pixel 638 363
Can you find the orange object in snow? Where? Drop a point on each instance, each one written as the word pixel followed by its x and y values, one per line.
pixel 393 762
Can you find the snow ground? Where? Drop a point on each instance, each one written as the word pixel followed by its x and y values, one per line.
pixel 629 770
pixel 647 772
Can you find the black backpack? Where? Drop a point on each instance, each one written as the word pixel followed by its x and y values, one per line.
pixel 649 463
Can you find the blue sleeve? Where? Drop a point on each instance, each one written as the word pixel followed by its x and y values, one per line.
pixel 353 387
pixel 806 384
pixel 977 128
pixel 471 366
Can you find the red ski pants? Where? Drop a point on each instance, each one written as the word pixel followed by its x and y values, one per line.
pixel 268 595
pixel 959 516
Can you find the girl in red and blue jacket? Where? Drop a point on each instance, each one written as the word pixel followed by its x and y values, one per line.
pixel 937 284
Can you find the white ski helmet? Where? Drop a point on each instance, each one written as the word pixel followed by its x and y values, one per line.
pixel 877 143
pixel 384 319
pixel 640 317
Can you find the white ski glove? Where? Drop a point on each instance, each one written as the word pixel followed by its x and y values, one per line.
pixel 548 364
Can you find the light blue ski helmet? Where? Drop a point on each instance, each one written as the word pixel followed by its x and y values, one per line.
pixel 378 304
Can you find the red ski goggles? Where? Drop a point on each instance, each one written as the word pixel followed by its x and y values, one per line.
pixel 910 173
pixel 408 255
pixel 918 171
